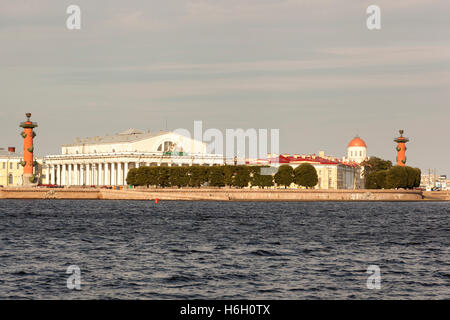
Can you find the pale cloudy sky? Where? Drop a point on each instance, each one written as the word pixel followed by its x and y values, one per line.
pixel 307 67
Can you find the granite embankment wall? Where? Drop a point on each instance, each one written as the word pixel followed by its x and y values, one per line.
pixel 212 194
pixel 437 195
pixel 46 193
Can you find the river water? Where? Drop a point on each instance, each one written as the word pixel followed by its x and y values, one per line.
pixel 224 250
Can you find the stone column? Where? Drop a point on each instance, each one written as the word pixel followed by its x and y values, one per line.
pixel 52 172
pixel 100 173
pixel 94 174
pixel 82 174
pixel 69 175
pixel 107 174
pixel 125 173
pixel 88 174
pixel 58 174
pixel 75 173
pixel 64 175
pixel 113 174
pixel 79 175
pixel 119 174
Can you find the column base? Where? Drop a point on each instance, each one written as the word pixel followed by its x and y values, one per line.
pixel 26 182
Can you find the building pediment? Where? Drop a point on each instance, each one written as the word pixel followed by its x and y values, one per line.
pixel 134 140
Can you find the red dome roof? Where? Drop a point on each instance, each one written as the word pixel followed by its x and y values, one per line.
pixel 357 142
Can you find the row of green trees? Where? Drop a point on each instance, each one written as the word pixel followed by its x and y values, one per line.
pixel 304 175
pixel 381 174
pixel 221 176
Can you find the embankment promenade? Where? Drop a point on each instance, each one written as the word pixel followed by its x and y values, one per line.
pixel 225 194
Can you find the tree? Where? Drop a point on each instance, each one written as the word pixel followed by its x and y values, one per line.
pixel 284 176
pixel 229 172
pixel 163 177
pixel 152 176
pixel 197 176
pixel 410 177
pixel 380 179
pixel 143 176
pixel 216 176
pixel 262 181
pixel 242 176
pixel 376 180
pixel 376 164
pixel 131 177
pixel 178 177
pixel 371 168
pixel 254 170
pixel 306 175
pixel 397 177
pixel 418 177
pixel 139 179
pixel 403 177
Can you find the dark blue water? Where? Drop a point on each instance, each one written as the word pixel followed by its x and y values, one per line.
pixel 227 250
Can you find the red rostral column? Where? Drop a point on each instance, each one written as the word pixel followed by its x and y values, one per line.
pixel 28 148
pixel 401 149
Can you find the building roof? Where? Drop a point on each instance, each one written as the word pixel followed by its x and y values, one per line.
pixel 131 135
pixel 6 153
pixel 357 142
pixel 313 159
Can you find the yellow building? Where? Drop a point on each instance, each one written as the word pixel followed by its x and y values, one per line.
pixel 11 170
pixel 332 173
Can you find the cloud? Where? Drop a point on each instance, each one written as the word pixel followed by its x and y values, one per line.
pixel 22 8
pixel 134 20
pixel 275 84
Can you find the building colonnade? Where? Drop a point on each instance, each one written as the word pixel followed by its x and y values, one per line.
pixel 79 174
pixel 99 172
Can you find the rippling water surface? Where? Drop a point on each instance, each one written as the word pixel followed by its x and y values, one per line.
pixel 228 250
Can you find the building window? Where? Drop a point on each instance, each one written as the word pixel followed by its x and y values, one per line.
pixel 10 166
pixel 166 146
pixel 10 179
pixel 4 165
pixel 18 166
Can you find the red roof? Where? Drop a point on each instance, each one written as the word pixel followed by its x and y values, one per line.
pixel 308 158
pixel 357 142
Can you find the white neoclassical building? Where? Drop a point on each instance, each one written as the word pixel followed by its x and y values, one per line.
pixel 356 151
pixel 106 160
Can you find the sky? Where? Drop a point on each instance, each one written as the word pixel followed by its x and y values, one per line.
pixel 309 68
